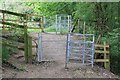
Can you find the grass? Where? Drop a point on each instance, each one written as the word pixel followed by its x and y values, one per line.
pixel 53 29
pixel 34 30
pixel 50 29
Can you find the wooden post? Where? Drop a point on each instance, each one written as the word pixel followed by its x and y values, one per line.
pixel 84 29
pixel 104 54
pixel 78 25
pixel 42 28
pixel 30 49
pixel 106 64
pixel 3 20
pixel 25 42
pixel 98 39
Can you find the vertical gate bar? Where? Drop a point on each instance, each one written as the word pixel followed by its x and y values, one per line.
pixel 66 52
pixel 39 52
pixel 84 49
pixel 67 49
pixel 68 23
pixel 93 51
pixel 69 45
pixel 60 25
pixel 41 49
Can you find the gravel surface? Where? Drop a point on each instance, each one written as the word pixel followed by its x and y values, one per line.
pixel 53 65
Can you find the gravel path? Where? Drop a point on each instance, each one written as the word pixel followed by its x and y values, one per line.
pixel 54 63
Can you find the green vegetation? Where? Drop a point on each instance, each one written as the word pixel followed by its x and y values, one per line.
pixel 102 19
pixel 50 29
pixel 34 30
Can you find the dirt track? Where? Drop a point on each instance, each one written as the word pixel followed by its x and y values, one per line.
pixel 54 65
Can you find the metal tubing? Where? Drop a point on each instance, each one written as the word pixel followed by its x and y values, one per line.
pixel 66 52
pixel 68 23
pixel 60 26
pixel 84 50
pixel 63 22
pixel 87 48
pixel 93 52
pixel 39 50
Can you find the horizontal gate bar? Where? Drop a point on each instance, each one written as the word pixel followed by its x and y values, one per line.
pixel 76 41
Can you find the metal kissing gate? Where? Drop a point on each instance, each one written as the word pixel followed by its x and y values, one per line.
pixel 80 48
pixel 63 23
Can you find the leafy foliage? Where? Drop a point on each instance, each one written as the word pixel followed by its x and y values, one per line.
pixel 101 19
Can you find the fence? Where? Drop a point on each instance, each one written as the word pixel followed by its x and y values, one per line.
pixel 102 49
pixel 23 23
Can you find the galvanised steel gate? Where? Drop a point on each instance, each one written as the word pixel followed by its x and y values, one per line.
pixel 63 23
pixel 80 48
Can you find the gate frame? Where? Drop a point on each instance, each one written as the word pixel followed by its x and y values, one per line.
pixel 68 47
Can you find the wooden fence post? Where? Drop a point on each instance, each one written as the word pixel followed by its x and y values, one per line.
pixel 106 64
pixel 84 27
pixel 42 28
pixel 78 25
pixel 25 41
pixel 105 54
pixel 30 49
pixel 3 20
